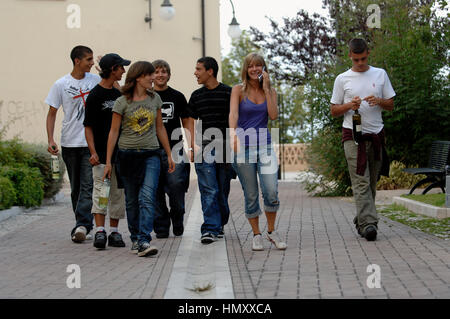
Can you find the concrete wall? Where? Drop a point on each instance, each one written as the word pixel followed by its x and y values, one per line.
pixel 36 39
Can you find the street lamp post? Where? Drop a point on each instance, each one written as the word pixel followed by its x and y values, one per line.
pixel 167 12
pixel 234 31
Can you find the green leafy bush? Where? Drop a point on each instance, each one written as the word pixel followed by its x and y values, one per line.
pixel 397 178
pixel 326 158
pixel 7 193
pixel 27 182
pixel 12 152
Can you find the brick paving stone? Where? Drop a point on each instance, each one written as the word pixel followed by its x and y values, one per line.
pixel 332 259
pixel 325 257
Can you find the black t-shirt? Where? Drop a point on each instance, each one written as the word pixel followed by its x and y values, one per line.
pixel 99 105
pixel 173 109
pixel 212 107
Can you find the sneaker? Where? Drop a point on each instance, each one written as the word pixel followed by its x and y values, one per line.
pixel 115 240
pixel 208 238
pixel 276 240
pixel 370 233
pixel 134 247
pixel 100 240
pixel 79 235
pixel 145 249
pixel 257 243
pixel 162 235
pixel 221 233
pixel 89 236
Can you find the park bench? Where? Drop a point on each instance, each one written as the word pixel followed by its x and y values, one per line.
pixel 435 172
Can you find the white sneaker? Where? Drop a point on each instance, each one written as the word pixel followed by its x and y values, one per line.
pixel 257 243
pixel 89 236
pixel 79 235
pixel 276 240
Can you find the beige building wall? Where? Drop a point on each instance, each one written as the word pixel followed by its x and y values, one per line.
pixel 37 36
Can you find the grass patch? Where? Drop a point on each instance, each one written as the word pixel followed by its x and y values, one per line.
pixel 437 227
pixel 431 199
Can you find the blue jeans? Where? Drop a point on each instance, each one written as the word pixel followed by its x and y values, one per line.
pixel 260 161
pixel 175 185
pixel 80 175
pixel 214 185
pixel 140 198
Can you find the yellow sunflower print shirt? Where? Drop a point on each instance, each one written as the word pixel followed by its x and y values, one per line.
pixel 138 129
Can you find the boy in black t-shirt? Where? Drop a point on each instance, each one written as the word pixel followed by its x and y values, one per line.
pixel 211 106
pixel 175 185
pixel 97 124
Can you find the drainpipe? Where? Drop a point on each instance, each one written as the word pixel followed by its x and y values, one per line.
pixel 203 29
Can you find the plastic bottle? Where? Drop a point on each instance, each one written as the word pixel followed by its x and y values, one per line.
pixel 104 193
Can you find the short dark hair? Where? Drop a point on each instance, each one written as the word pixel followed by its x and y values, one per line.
pixel 104 74
pixel 209 63
pixel 357 46
pixel 162 64
pixel 79 52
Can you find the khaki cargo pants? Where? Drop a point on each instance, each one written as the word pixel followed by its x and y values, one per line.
pixel 364 187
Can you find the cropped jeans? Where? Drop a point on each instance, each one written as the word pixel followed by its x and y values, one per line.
pixel 140 197
pixel 253 162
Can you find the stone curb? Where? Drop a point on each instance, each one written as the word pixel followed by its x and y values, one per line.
pixel 422 208
pixel 17 210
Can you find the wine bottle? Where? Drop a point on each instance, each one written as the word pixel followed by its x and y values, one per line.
pixel 357 129
pixel 104 193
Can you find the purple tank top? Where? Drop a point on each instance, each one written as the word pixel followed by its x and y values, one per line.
pixel 252 123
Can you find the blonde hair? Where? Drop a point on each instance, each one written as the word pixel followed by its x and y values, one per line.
pixel 249 59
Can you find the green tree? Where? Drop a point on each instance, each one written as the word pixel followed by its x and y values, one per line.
pixel 291 112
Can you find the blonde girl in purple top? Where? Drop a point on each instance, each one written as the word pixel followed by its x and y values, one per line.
pixel 252 103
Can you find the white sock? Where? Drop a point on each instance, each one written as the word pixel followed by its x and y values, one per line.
pixel 114 229
pixel 101 228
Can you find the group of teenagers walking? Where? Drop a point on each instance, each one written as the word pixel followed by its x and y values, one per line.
pixel 133 135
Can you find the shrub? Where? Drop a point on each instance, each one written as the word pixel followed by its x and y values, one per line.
pixel 7 193
pixel 42 160
pixel 397 178
pixel 326 158
pixel 12 152
pixel 27 183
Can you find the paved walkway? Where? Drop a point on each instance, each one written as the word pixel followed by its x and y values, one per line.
pixel 325 257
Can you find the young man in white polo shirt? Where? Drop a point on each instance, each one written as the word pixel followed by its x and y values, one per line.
pixel 70 92
pixel 368 90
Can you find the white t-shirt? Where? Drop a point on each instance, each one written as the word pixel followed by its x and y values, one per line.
pixel 71 94
pixel 349 84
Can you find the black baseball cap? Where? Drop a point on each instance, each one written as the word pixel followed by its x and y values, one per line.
pixel 111 59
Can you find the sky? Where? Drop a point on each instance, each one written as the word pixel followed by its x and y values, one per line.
pixel 254 12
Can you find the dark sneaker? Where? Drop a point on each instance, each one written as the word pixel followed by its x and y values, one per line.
pixel 162 235
pixel 208 238
pixel 145 249
pixel 134 247
pixel 221 233
pixel 115 240
pixel 370 233
pixel 178 230
pixel 100 240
